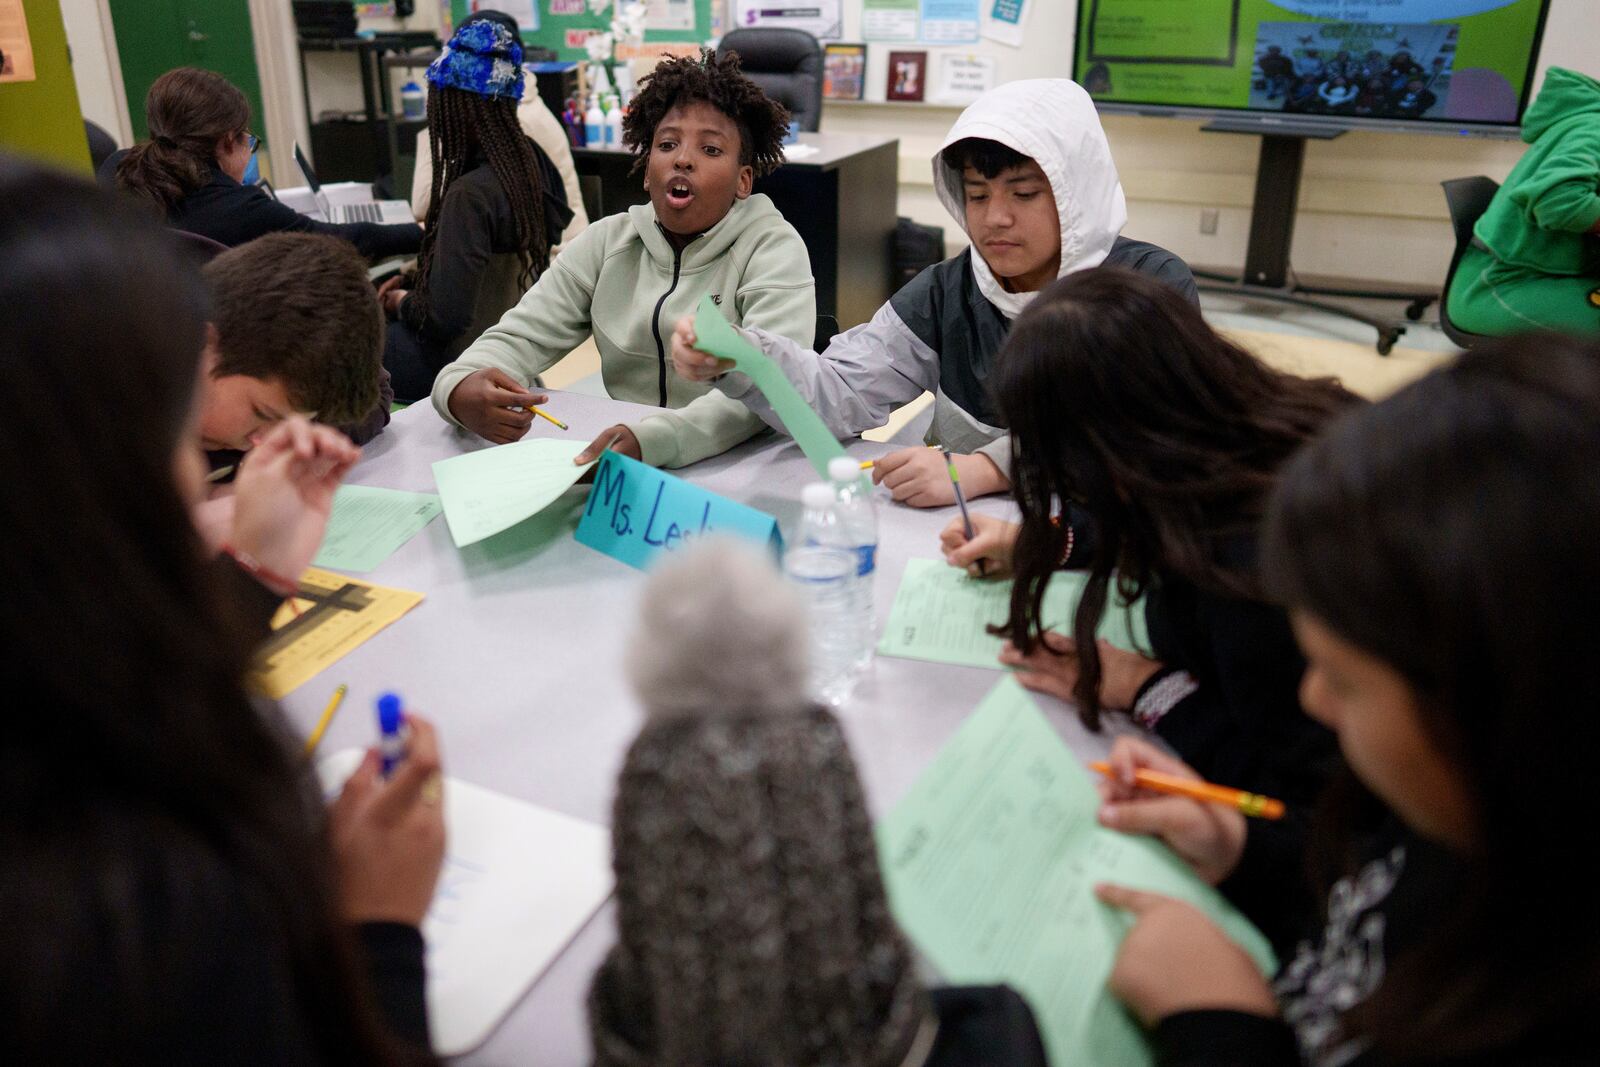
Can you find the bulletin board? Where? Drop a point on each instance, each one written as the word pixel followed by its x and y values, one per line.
pixel 554 28
pixel 1000 40
pixel 39 114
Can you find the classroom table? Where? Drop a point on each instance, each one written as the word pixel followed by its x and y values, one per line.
pixel 841 199
pixel 517 655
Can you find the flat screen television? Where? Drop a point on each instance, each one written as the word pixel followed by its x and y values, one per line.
pixel 1439 66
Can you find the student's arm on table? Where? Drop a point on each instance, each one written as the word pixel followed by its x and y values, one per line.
pixel 477 391
pixel 262 214
pixel 782 305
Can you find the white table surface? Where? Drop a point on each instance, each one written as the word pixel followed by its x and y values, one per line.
pixel 516 655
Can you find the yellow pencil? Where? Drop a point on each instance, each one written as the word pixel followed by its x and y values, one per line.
pixel 551 418
pixel 327 717
pixel 868 464
pixel 1252 804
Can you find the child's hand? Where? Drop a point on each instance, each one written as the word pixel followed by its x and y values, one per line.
pixel 690 362
pixel 388 836
pixel 993 541
pixel 1208 837
pixel 616 438
pixel 1174 959
pixel 390 295
pixel 483 402
pixel 284 493
pixel 918 477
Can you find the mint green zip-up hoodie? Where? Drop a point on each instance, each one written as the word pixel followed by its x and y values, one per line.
pixel 622 281
pixel 1539 219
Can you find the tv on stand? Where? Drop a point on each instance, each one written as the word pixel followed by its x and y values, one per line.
pixel 1292 70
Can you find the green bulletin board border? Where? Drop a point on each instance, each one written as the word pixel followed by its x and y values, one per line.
pixel 552 31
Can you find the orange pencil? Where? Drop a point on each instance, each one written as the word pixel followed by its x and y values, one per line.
pixel 1252 804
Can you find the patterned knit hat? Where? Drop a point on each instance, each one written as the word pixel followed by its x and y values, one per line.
pixel 483 57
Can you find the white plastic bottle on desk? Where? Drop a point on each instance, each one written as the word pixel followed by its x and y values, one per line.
pixel 858 527
pixel 613 122
pixel 823 568
pixel 594 124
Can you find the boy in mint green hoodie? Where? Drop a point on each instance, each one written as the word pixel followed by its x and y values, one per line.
pixel 702 131
pixel 1535 263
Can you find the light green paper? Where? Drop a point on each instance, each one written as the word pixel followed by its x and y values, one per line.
pixel 941 614
pixel 369 524
pixel 493 489
pixel 991 862
pixel 716 335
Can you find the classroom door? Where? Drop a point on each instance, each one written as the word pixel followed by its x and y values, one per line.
pixel 155 36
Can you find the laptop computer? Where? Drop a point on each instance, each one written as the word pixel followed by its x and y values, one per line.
pixel 355 203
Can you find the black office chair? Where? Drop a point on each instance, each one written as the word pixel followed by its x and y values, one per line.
pixel 1468 199
pixel 787 64
pixel 102 146
pixel 827 327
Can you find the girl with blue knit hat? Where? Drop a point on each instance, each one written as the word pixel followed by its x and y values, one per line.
pixel 497 205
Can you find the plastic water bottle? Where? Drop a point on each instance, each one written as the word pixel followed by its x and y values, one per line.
pixel 613 122
pixel 413 101
pixel 823 568
pixel 594 124
pixel 858 526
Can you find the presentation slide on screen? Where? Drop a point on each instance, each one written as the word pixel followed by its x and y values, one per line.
pixel 1442 60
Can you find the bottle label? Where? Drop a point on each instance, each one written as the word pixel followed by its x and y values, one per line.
pixel 866 559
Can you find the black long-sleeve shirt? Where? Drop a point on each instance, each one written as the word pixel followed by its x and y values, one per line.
pixel 475 223
pixel 1227 701
pixel 1384 908
pixel 232 213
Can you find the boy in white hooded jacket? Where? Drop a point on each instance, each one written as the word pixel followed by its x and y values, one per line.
pixel 1028 174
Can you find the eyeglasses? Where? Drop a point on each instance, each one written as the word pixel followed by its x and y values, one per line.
pixel 255 142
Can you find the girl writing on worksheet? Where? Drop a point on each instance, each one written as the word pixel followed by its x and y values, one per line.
pixel 1436 553
pixel 1145 448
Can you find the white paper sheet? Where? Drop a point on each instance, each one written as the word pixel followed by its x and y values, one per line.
pixel 518 884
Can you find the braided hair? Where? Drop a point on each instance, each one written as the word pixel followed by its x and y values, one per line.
pixel 717 79
pixel 753 926
pixel 462 124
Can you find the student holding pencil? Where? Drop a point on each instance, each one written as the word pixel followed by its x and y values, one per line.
pixel 170 893
pixel 1145 446
pixel 1447 655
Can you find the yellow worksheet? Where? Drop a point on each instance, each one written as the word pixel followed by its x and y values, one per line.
pixel 331 615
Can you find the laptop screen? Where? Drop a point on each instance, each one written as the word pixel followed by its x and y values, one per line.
pixel 305 168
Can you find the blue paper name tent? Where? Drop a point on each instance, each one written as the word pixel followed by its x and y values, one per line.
pixel 636 512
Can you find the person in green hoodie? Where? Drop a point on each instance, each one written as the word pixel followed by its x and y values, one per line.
pixel 702 132
pixel 1534 263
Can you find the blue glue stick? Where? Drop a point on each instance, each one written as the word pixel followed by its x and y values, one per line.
pixel 391 732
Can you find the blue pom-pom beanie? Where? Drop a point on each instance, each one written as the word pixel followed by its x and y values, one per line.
pixel 483 57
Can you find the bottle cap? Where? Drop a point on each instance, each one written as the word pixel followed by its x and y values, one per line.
pixel 844 469
pixel 817 496
pixel 390 713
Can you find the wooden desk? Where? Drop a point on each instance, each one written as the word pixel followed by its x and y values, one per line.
pixel 843 200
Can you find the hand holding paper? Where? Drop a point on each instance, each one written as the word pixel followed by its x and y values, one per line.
pixel 715 335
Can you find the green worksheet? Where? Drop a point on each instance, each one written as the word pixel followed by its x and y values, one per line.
pixel 493 489
pixel 716 335
pixel 941 614
pixel 991 861
pixel 369 524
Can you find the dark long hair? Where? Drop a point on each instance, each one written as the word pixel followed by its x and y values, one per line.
pixel 1451 531
pixel 188 111
pixel 141 792
pixel 464 127
pixel 1123 402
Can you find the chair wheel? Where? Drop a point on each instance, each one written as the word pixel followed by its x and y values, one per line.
pixel 1386 341
pixel 1415 309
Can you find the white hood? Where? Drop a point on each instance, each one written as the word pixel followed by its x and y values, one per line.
pixel 1053 121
